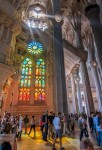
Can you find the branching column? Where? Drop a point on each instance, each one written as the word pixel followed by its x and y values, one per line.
pixel 68 91
pixel 60 83
pixel 91 51
pixel 78 91
pixel 73 93
pixel 83 67
pixel 98 86
pixel 92 13
pixel 86 87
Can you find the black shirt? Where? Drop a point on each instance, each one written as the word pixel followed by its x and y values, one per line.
pixel 50 118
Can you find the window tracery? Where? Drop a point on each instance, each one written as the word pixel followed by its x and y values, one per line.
pixel 35 48
pixel 28 71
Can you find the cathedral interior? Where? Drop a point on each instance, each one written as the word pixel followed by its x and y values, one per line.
pixel 50 56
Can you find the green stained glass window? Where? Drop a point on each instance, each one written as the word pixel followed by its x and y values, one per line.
pixel 25 81
pixel 35 48
pixel 40 80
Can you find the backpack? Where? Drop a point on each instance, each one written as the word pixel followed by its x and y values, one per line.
pixel 6 146
pixel 80 124
pixel 8 128
pixel 26 120
pixel 41 123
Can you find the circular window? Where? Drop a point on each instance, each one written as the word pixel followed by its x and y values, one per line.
pixel 35 48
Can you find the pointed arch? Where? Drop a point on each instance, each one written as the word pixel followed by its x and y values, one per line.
pixel 40 76
pixel 25 80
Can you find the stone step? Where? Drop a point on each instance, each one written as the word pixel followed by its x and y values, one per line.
pixel 29 108
pixel 37 111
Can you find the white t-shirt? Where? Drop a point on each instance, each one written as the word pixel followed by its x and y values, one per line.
pixel 57 123
pixel 32 121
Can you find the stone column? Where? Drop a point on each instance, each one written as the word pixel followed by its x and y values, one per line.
pixel 32 87
pixel 67 87
pixel 93 64
pixel 98 67
pixel 83 69
pixel 73 93
pixel 1 88
pixel 86 87
pixel 85 77
pixel 100 77
pixel 92 13
pixel 97 84
pixel 78 91
pixel 60 84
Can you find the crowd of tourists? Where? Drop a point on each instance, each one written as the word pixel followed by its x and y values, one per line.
pixel 10 124
pixel 52 126
pixel 95 125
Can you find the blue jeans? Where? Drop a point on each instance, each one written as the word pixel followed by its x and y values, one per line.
pixel 99 138
pixel 45 131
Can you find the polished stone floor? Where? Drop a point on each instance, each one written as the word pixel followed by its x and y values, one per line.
pixel 30 143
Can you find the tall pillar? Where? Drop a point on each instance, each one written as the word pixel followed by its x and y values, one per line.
pixel 98 68
pixel 60 83
pixel 92 12
pixel 1 88
pixel 93 64
pixel 97 84
pixel 69 98
pixel 32 88
pixel 83 69
pixel 67 87
pixel 86 87
pixel 73 93
pixel 100 77
pixel 78 91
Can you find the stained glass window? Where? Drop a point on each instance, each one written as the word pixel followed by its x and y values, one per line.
pixel 40 80
pixel 25 81
pixel 35 48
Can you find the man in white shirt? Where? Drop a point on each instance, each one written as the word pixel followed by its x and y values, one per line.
pixel 32 126
pixel 58 130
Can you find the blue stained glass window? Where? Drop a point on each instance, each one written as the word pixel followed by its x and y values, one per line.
pixel 35 48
